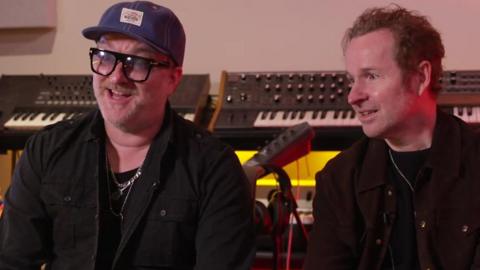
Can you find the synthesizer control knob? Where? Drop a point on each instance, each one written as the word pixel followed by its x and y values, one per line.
pixel 311 87
pixel 333 86
pixel 311 78
pixel 289 87
pixel 340 80
pixel 322 76
pixel 229 99
pixel 267 87
pixel 339 91
pixel 332 97
pixel 243 76
pixel 453 80
pixel 322 87
pixel 310 98
pixel 321 98
pixel 276 98
pixel 334 75
pixel 278 77
pixel 290 76
pixel 300 86
pixel 299 98
pixel 268 76
pixel 257 77
pixel 243 96
pixel 277 87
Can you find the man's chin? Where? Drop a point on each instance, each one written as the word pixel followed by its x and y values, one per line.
pixel 371 132
pixel 124 124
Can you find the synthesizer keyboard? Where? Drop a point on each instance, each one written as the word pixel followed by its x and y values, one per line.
pixel 258 105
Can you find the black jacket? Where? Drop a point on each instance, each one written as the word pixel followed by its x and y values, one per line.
pixel 355 204
pixel 191 209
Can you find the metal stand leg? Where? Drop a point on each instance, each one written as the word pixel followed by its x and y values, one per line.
pixel 15 153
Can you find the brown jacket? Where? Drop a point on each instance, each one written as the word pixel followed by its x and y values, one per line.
pixel 354 206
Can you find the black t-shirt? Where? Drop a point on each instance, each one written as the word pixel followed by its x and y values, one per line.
pixel 402 251
pixel 110 221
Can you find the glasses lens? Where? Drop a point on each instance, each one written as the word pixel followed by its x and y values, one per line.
pixel 135 68
pixel 103 62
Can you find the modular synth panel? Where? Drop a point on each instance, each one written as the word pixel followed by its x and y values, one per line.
pixel 461 95
pixel 30 102
pixel 254 106
pixel 257 105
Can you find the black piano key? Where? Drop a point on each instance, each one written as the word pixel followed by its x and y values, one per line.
pixel 302 115
pixel 33 116
pixel 469 111
pixel 293 115
pixel 263 115
pixel 460 111
pixel 315 114
pixel 25 116
pixel 53 116
pixel 352 114
pixel 336 113
pixel 17 116
pixel 272 115
pixel 323 114
pixel 45 116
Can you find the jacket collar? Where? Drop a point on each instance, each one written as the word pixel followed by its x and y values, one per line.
pixel 445 154
pixel 373 169
pixel 444 157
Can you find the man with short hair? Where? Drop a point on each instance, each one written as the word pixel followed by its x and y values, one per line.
pixel 132 185
pixel 405 197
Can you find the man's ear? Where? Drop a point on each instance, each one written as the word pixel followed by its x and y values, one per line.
pixel 175 77
pixel 425 76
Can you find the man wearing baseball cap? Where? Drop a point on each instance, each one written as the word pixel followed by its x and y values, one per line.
pixel 131 185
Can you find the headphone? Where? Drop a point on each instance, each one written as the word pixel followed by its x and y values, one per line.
pixel 275 217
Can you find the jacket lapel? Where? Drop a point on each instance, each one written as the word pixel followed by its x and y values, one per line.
pixel 143 190
pixel 445 156
pixel 372 176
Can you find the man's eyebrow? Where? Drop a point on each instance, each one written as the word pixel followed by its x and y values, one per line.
pixel 367 69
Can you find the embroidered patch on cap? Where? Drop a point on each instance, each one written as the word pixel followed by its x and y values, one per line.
pixel 131 16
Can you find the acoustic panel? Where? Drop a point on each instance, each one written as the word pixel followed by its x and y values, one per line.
pixel 28 14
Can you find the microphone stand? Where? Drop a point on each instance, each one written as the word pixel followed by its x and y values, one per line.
pixel 260 170
pixel 286 188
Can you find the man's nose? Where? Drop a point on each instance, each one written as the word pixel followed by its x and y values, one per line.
pixel 118 74
pixel 357 94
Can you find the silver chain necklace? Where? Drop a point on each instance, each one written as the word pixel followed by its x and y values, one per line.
pixel 120 188
pixel 400 172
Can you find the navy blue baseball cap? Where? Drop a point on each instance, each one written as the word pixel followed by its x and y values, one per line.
pixel 153 24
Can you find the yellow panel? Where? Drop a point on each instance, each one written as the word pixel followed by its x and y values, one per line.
pixel 301 172
pixel 5 171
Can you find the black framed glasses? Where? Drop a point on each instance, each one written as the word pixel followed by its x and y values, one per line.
pixel 135 68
